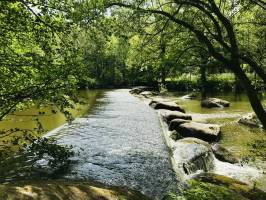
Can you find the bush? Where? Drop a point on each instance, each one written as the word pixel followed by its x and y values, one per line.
pixel 87 83
pixel 221 82
pixel 183 83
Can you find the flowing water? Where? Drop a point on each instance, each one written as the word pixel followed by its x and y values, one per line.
pixel 120 143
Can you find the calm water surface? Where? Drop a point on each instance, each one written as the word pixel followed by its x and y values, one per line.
pixel 26 119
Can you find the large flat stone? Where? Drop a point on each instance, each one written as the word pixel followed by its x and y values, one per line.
pixel 166 105
pixel 170 115
pixel 215 102
pixel 206 132
pixel 175 123
pixel 224 154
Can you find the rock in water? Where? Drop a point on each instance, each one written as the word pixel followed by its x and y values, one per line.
pixel 170 115
pixel 206 132
pixel 250 120
pixel 166 105
pixel 192 154
pixel 214 102
pixel 223 154
pixel 175 135
pixel 189 96
pixel 175 123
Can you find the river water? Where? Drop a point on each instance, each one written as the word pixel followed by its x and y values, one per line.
pixel 118 139
pixel 120 143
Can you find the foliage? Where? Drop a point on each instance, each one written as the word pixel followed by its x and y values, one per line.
pixel 37 60
pixel 43 158
pixel 55 154
pixel 214 83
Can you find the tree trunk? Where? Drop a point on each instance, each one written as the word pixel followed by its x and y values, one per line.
pixel 203 81
pixel 252 95
pixel 162 63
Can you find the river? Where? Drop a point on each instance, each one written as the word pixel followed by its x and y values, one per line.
pixel 118 139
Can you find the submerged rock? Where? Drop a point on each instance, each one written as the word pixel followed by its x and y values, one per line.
pixel 250 119
pixel 192 154
pixel 215 102
pixel 238 187
pixel 223 154
pixel 166 105
pixel 175 135
pixel 206 132
pixel 170 115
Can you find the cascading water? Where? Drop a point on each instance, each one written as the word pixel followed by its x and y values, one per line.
pixel 203 162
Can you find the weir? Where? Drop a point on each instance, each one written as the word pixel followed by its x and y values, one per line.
pixel 120 144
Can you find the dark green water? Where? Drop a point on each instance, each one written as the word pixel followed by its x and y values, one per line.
pixel 26 119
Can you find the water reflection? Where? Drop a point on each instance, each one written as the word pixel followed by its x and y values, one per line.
pixel 26 119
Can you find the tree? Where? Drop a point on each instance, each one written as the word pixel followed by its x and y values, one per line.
pixel 39 58
pixel 220 38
